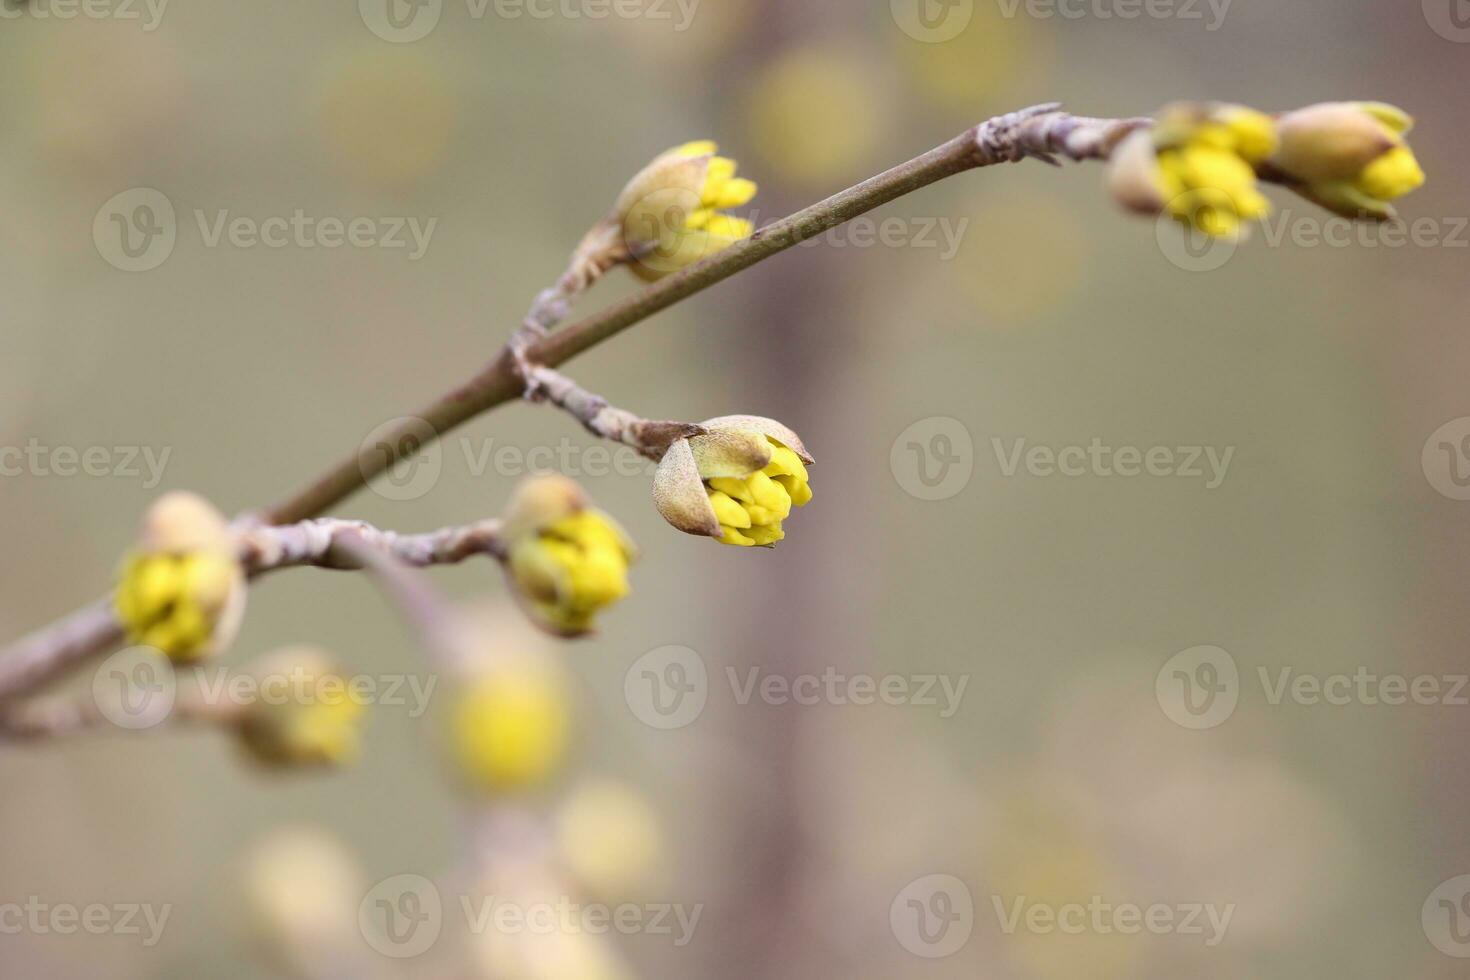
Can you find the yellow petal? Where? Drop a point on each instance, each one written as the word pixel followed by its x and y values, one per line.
pixel 770 495
pixel 784 462
pixel 733 193
pixel 1392 175
pixel 736 488
pixel 766 536
pixel 731 536
pixel 721 169
pixel 697 148
pixel 801 493
pixel 157 583
pixel 1254 133
pixel 728 511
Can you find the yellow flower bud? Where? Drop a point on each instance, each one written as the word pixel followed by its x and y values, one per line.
pixel 1198 164
pixel 299 892
pixel 672 212
pixel 558 947
pixel 609 838
pixel 565 559
pixel 510 726
pixel 1350 157
pixel 304 714
pixel 737 482
pixel 183 590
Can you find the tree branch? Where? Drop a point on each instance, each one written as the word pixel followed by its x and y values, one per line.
pixel 1043 132
pixel 49 652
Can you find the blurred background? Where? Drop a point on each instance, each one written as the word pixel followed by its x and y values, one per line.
pixel 1004 310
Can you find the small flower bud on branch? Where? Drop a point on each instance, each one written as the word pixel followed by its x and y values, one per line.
pixel 316 724
pixel 1349 157
pixel 565 560
pixel 735 483
pixel 1200 162
pixel 183 589
pixel 1198 165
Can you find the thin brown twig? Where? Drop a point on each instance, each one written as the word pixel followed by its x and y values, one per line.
pixel 262 548
pixel 64 716
pixel 650 438
pixel 1042 132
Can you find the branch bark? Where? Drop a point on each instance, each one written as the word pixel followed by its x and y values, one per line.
pixel 93 629
pixel 1042 132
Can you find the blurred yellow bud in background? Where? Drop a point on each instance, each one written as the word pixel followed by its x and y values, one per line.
pixel 304 713
pixel 565 559
pixel 510 726
pixel 609 838
pixel 1350 157
pixel 182 590
pixel 816 115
